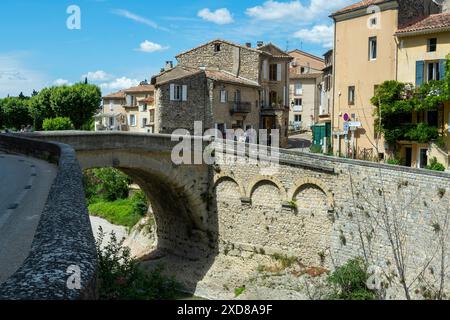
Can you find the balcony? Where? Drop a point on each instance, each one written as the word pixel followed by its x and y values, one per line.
pixel 297 108
pixel 240 107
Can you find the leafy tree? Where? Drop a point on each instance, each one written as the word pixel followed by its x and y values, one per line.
pixel 57 124
pixel 41 108
pixel 15 113
pixel 106 183
pixel 435 165
pixel 78 102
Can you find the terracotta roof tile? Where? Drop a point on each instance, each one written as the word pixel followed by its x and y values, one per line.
pixel 140 88
pixel 115 95
pixel 432 22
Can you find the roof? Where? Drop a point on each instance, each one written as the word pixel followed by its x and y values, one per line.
pixel 115 95
pixel 267 49
pixel 435 23
pixel 305 75
pixel 147 100
pixel 180 72
pixel 359 5
pixel 306 54
pixel 140 88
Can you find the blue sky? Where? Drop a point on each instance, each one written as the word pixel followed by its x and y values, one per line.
pixel 122 42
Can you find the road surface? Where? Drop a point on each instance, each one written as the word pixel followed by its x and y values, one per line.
pixel 300 142
pixel 24 186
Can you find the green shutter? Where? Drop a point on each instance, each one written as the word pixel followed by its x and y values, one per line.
pixel 419 72
pixel 442 63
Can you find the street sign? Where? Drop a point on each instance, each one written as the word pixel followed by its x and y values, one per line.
pixel 354 124
pixel 346 117
pixel 346 127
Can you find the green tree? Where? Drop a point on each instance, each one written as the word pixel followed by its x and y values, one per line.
pixel 57 124
pixel 106 183
pixel 41 108
pixel 78 102
pixel 15 113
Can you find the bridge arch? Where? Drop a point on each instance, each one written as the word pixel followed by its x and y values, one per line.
pixel 315 183
pixel 230 177
pixel 258 180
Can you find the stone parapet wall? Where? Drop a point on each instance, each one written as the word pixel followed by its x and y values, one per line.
pixel 63 239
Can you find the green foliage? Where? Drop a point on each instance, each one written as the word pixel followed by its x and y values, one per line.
pixel 14 113
pixel 40 107
pixel 422 133
pixel 316 149
pixel 57 124
pixel 441 142
pixel 121 278
pixel 394 161
pixel 140 203
pixel 107 184
pixel 78 102
pixel 119 212
pixel 284 260
pixel 239 291
pixel 349 281
pixel 435 165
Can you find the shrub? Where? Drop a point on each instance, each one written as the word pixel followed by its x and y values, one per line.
pixel 350 281
pixel 121 278
pixel 57 124
pixel 435 165
pixel 139 203
pixel 394 161
pixel 441 142
pixel 106 183
pixel 316 149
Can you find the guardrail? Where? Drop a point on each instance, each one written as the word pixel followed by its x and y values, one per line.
pixel 63 242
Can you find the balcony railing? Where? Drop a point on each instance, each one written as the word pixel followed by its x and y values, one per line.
pixel 241 107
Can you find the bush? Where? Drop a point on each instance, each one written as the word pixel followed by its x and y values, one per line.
pixel 316 149
pixel 139 203
pixel 435 165
pixel 121 278
pixel 394 161
pixel 119 212
pixel 57 124
pixel 441 143
pixel 106 184
pixel 350 281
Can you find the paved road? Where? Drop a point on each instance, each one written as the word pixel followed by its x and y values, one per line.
pixel 24 186
pixel 300 142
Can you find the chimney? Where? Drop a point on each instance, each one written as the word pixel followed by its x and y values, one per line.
pixel 248 44
pixel 260 43
pixel 169 65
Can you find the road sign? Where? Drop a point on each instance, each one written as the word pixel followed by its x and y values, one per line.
pixel 346 117
pixel 354 124
pixel 346 127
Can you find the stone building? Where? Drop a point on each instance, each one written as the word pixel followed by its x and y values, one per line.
pixel 305 77
pixel 131 110
pixel 365 51
pixel 225 85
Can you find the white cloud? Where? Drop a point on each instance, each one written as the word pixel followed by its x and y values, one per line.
pixel 98 75
pixel 119 84
pixel 129 15
pixel 319 34
pixel 295 11
pixel 148 46
pixel 61 82
pixel 220 16
pixel 16 76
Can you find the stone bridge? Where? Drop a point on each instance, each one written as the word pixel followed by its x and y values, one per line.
pixel 322 210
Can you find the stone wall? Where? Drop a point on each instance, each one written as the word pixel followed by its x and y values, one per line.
pixel 328 214
pixel 63 237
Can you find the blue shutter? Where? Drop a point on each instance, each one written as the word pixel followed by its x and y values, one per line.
pixel 419 72
pixel 442 63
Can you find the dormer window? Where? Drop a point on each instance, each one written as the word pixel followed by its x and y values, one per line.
pixel 217 47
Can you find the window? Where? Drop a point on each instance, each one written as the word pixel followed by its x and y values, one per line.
pixel 298 118
pixel 237 96
pixel 152 115
pixel 297 102
pixel 223 96
pixel 144 107
pixel 132 120
pixel 302 70
pixel 273 72
pixel 433 71
pixel 373 48
pixel 130 101
pixel 373 22
pixel 111 121
pixel 298 89
pixel 217 47
pixel 111 106
pixel 351 95
pixel 432 45
pixel 432 118
pixel 178 92
pixel 144 122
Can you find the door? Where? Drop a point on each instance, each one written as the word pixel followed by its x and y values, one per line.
pixel 408 157
pixel 269 124
pixel 423 158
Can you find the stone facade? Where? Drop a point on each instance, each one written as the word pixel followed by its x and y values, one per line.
pixel 255 81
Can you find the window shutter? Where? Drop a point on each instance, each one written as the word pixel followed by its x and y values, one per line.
pixel 419 72
pixel 284 96
pixel 184 93
pixel 265 69
pixel 278 72
pixel 172 92
pixel 442 63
